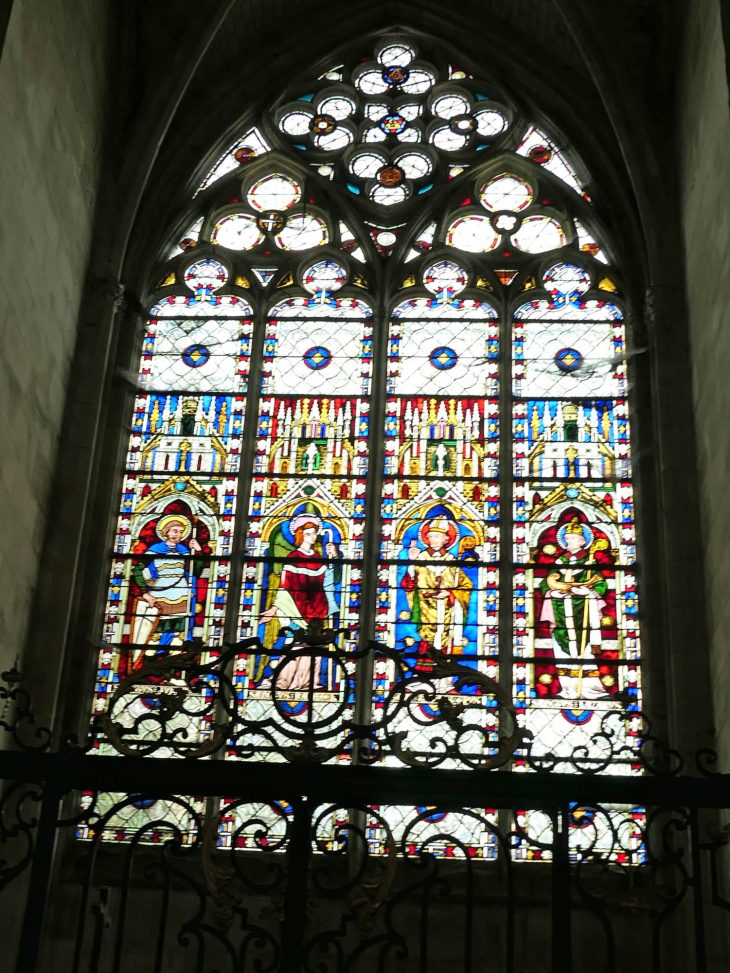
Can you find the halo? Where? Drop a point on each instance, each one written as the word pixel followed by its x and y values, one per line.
pixel 173 518
pixel 587 533
pixel 300 519
pixel 453 533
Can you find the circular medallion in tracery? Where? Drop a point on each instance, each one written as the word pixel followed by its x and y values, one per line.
pixel 541 154
pixel 386 238
pixel 393 124
pixel 317 358
pixel 271 222
pixel 462 124
pixel 206 274
pixel 443 358
pixel 568 359
pixel 325 275
pixel 323 124
pixel 244 154
pixel 395 74
pixel 390 176
pixel 505 222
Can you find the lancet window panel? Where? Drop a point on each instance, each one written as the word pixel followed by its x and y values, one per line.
pixel 169 577
pixel 284 690
pixel 576 632
pixel 318 347
pixel 438 591
pixel 305 525
pixel 543 428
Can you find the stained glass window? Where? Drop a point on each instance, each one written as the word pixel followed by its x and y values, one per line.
pixel 380 446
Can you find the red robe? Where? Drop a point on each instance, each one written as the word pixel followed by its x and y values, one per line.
pixel 303 577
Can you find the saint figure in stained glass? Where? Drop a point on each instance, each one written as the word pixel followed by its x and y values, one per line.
pixel 304 592
pixel 437 588
pixel 166 582
pixel 573 600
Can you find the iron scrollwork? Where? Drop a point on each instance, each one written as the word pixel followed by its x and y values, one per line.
pixel 17 717
pixel 178 704
pixel 448 715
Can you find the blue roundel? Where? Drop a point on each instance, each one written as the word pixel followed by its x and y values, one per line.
pixel 443 358
pixel 317 357
pixel 580 817
pixel 568 359
pixel 195 355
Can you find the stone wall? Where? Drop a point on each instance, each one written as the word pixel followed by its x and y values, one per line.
pixel 703 133
pixel 53 91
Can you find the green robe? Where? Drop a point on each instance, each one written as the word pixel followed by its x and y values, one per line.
pixel 574 624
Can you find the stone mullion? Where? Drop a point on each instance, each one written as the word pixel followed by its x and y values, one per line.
pixel 240 522
pixel 373 521
pixel 506 484
pixel 245 474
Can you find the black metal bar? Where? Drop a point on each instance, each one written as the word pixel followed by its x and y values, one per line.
pixel 295 900
pixel 717 898
pixel 30 937
pixel 697 894
pixel 469 918
pixel 101 921
pixel 509 959
pixel 561 911
pixel 123 902
pixel 160 778
pixel 83 909
pixel 162 928
pixel 423 929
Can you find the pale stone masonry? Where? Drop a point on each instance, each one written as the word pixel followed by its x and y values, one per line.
pixel 703 136
pixel 52 101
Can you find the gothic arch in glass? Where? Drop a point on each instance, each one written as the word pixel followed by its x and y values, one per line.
pixel 383 395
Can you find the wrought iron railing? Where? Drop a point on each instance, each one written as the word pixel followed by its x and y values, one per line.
pixel 298 862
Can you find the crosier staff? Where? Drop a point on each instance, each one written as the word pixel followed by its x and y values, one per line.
pixel 599 544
